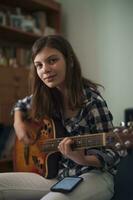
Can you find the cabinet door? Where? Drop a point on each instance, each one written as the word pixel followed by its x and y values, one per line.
pixel 5 112
pixel 13 86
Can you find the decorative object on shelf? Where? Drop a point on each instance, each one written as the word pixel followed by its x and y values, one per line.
pixel 16 21
pixel 49 31
pixel 28 24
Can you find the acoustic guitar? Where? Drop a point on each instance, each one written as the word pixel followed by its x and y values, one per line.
pixel 43 156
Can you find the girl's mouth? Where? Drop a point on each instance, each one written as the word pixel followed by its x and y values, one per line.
pixel 50 78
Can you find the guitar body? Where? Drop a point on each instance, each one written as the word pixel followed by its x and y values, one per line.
pixel 31 158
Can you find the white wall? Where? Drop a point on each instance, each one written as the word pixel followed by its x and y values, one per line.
pixel 101 32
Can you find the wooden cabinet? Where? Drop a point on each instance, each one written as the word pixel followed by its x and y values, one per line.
pixel 6 165
pixel 14 80
pixel 13 85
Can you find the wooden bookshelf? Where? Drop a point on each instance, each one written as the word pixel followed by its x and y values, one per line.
pixel 10 89
pixel 51 7
pixel 14 80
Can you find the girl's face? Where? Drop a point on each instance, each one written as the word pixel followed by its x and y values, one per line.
pixel 51 67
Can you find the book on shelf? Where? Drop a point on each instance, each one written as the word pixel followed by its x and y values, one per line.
pixel 2 18
pixel 40 21
pixel 23 57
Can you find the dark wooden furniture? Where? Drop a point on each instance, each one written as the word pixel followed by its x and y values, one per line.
pixel 14 81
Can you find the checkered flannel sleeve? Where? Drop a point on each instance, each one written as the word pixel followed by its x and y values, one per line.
pixel 100 120
pixel 22 104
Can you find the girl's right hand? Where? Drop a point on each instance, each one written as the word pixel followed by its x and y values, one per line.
pixel 21 129
pixel 21 132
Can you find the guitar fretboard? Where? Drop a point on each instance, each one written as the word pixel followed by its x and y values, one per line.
pixel 79 142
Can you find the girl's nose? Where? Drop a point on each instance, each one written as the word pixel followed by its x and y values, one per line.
pixel 46 68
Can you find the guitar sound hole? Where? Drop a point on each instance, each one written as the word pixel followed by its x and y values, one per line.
pixel 45 127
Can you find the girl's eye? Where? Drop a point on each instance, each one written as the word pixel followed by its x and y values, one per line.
pixel 52 61
pixel 38 66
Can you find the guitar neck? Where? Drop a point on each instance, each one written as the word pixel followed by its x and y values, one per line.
pixel 79 142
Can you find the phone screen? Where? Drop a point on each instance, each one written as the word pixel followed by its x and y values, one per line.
pixel 67 184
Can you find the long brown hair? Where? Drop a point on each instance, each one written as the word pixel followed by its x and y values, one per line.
pixel 46 100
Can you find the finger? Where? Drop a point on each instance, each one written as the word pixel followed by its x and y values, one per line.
pixel 65 146
pixel 61 145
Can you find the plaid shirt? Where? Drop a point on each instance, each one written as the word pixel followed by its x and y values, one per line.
pixel 94 117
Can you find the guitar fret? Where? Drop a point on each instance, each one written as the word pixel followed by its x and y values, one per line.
pixel 85 142
pixel 51 145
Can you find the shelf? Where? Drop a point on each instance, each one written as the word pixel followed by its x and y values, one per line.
pixel 17 36
pixel 50 7
pixel 33 5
